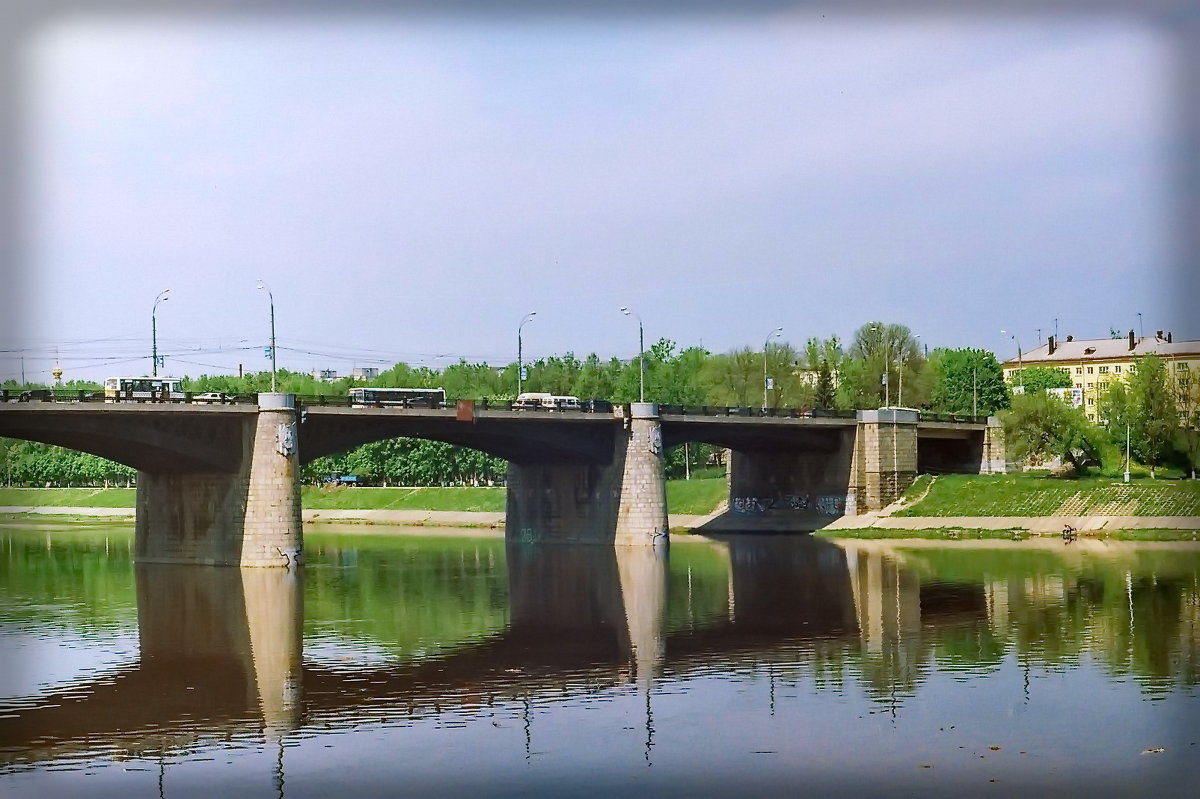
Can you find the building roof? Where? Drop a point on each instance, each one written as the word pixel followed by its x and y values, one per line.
pixel 1105 349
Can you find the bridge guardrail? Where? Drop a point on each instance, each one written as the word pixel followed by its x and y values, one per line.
pixel 487 404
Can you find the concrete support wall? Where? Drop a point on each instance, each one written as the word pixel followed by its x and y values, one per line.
pixel 642 511
pixel 995 457
pixel 623 502
pixel 792 489
pixel 247 516
pixel 273 531
pixel 886 456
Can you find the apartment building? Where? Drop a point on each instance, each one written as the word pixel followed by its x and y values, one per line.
pixel 1093 363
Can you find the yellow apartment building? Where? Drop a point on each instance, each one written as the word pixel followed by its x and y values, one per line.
pixel 1093 363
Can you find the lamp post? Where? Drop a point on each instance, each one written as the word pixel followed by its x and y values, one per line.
pixel 162 297
pixel 520 364
pixel 641 355
pixel 1020 362
pixel 900 368
pixel 271 298
pixel 776 333
pixel 886 364
pixel 1126 451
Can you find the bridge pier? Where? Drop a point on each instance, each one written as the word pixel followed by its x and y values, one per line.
pixel 247 516
pixel 622 502
pixel 886 456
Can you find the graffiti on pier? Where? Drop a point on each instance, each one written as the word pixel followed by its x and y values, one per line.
pixel 823 504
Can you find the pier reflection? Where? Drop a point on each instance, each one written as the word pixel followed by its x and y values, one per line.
pixel 221 650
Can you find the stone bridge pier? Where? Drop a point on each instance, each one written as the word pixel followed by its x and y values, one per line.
pixel 245 515
pixel 620 502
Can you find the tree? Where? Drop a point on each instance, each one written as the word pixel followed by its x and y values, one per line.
pixel 1187 388
pixel 825 395
pixel 1035 379
pixel 885 349
pixel 967 381
pixel 1153 411
pixel 1040 427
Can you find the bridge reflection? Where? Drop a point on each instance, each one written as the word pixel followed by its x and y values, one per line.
pixel 221 649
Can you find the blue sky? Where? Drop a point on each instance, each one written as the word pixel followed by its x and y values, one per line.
pixel 411 186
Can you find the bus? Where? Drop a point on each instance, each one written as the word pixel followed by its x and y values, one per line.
pixel 365 396
pixel 142 388
pixel 538 401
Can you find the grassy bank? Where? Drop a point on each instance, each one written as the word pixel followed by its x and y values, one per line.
pixel 975 534
pixel 683 496
pixel 1042 495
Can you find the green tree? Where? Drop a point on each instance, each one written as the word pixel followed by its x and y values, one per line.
pixel 1153 411
pixel 1187 388
pixel 1040 427
pixel 1036 379
pixel 825 395
pixel 967 381
pixel 888 351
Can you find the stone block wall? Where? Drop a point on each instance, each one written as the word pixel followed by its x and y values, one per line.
pixel 272 533
pixel 642 511
pixel 886 455
pixel 246 516
pixel 622 502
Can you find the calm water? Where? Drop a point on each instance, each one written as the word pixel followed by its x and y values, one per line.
pixel 753 666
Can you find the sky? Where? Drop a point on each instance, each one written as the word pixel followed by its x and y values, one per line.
pixel 409 187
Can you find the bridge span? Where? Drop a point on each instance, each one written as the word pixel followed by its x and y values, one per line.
pixel 219 483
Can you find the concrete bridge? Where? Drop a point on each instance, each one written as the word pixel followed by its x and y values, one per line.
pixel 219 484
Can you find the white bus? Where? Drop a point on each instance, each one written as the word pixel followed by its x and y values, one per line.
pixel 365 396
pixel 540 401
pixel 142 388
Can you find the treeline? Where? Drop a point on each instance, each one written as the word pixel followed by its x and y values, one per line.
pixel 882 363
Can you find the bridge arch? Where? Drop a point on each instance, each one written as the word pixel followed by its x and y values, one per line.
pixel 328 431
pixel 174 439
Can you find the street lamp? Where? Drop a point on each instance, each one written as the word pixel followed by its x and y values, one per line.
pixel 886 365
pixel 776 333
pixel 162 297
pixel 900 368
pixel 641 355
pixel 520 364
pixel 1020 362
pixel 271 298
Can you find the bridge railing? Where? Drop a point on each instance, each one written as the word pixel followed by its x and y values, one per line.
pixel 84 395
pixel 930 416
pixel 486 404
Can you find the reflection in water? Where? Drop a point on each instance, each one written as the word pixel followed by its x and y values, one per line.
pixel 401 634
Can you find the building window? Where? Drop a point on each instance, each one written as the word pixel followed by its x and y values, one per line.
pixel 1179 367
pixel 1091 386
pixel 1091 417
pixel 1091 400
pixel 1078 370
pixel 1079 385
pixel 1117 368
pixel 1089 370
pixel 1103 370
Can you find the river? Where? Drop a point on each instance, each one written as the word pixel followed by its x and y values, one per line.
pixel 428 664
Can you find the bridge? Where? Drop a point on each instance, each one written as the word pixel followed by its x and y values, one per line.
pixel 219 483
